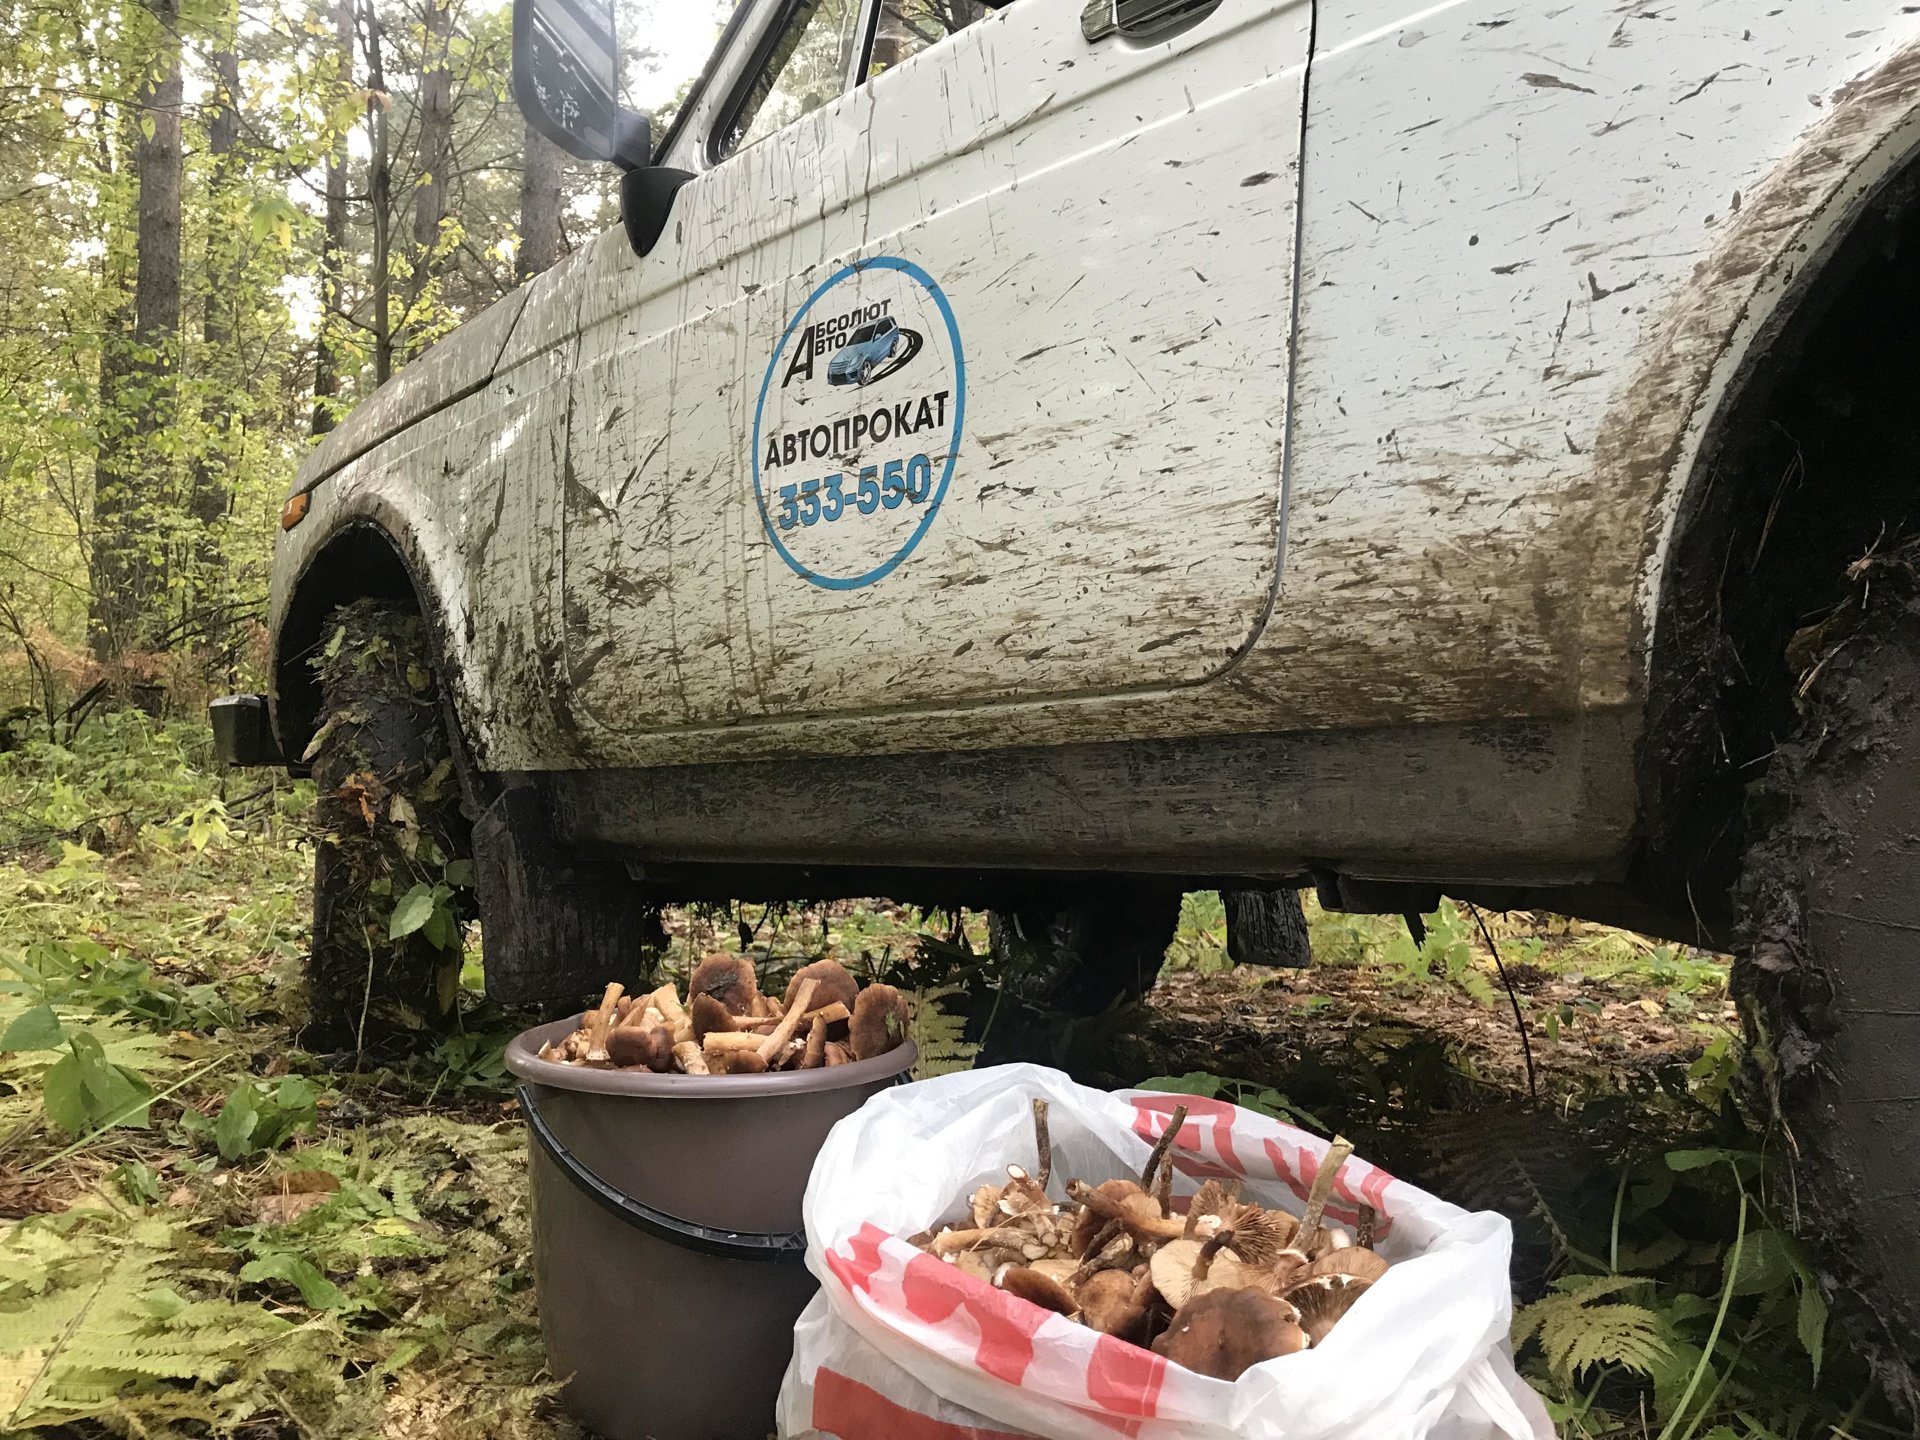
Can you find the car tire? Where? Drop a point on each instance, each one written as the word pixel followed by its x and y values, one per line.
pixel 866 371
pixel 389 818
pixel 1828 974
pixel 1266 927
pixel 1100 949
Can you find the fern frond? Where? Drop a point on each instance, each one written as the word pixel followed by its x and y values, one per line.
pixel 941 1037
pixel 1581 1325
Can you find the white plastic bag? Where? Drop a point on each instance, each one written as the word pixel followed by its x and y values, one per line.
pixel 901 1346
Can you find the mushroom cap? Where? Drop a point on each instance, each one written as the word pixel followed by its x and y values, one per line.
pixel 728 979
pixel 651 1046
pixel 1038 1288
pixel 1172 1266
pixel 879 1022
pixel 1055 1267
pixel 1322 1300
pixel 1259 1236
pixel 1361 1264
pixel 1224 1333
pixel 709 1015
pixel 833 982
pixel 1330 1238
pixel 1114 1303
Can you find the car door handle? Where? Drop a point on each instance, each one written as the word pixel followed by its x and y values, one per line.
pixel 1141 19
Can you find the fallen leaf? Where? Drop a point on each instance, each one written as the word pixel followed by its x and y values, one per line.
pixel 299 1191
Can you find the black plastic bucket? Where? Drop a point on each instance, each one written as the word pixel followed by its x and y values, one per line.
pixel 667 1241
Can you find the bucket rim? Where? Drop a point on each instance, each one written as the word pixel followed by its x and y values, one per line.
pixel 523 1059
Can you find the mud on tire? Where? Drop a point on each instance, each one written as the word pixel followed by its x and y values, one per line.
pixel 1829 968
pixel 389 819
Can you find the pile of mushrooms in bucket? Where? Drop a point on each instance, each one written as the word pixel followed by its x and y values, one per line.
pixel 728 1027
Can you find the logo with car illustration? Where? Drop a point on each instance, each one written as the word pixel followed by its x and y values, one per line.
pixel 852 451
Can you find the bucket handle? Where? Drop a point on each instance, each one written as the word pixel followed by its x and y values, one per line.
pixel 788 1248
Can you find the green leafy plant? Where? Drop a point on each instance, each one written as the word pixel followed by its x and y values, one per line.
pixel 258 1115
pixel 1263 1098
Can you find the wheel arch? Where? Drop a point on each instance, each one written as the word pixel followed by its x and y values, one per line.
pixel 359 558
pixel 1715 684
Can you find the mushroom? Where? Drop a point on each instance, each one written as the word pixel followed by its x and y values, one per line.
pixel 1224 1333
pixel 1117 1303
pixel 728 979
pixel 832 985
pixel 1179 1272
pixel 632 1045
pixel 1092 1222
pixel 815 1055
pixel 879 1022
pixel 776 1043
pixel 711 1017
pixel 1132 1206
pixel 1031 1285
pixel 691 1058
pixel 1323 1299
pixel 1360 1264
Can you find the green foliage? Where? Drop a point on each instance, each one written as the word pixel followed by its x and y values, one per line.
pixel 1682 1298
pixel 258 1115
pixel 1200 938
pixel 1262 1098
pixel 1446 953
pixel 1584 1323
pixel 940 1036
pixel 95 1325
pixel 84 1091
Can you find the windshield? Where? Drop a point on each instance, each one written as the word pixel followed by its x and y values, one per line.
pixel 867 332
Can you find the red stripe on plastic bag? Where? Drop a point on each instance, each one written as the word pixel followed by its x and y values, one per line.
pixel 1296 1171
pixel 856 1270
pixel 1152 1112
pixel 853 1411
pixel 934 1290
pixel 1124 1380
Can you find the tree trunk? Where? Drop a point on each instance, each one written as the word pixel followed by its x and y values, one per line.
pixel 541 240
pixel 220 411
pixel 330 353
pixel 380 194
pixel 130 477
pixel 436 159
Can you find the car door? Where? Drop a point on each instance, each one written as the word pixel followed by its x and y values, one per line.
pixel 1066 479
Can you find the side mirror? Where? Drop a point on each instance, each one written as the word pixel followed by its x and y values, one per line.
pixel 566 80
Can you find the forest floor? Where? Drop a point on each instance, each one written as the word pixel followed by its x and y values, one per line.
pixel 204 1230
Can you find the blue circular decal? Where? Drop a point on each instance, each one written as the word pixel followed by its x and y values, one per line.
pixel 858 423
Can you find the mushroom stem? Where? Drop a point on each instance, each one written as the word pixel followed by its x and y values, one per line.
pixel 829 1013
pixel 1162 1145
pixel 783 1032
pixel 1213 1246
pixel 1321 1192
pixel 692 1058
pixel 1153 1227
pixel 951 1242
pixel 602 1022
pixel 1042 1142
pixel 1163 1192
pixel 1363 1231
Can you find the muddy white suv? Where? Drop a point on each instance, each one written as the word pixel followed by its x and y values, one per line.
pixel 1052 455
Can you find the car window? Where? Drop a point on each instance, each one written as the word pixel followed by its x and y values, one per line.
pixel 806 68
pixel 909 26
pixel 863 334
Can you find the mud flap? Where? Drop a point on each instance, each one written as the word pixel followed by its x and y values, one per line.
pixel 554 926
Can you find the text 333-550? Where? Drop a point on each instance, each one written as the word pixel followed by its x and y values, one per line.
pixel 874 487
